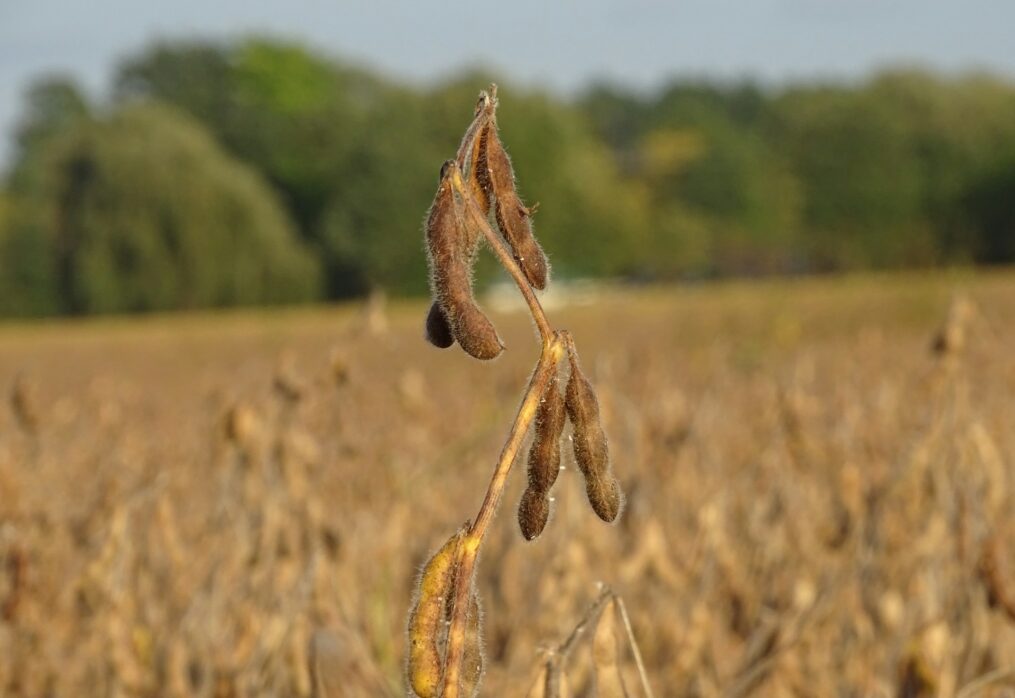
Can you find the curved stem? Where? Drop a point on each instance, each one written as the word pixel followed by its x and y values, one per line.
pixel 505 258
pixel 469 548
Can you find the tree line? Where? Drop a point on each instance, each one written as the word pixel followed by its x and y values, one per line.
pixel 259 172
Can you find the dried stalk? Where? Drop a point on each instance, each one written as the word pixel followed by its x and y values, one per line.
pixel 553 345
pixel 469 550
pixel 454 224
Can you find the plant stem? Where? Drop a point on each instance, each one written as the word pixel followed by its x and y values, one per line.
pixel 505 258
pixel 549 358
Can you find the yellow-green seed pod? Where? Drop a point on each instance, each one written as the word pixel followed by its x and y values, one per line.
pixel 472 655
pixel 426 620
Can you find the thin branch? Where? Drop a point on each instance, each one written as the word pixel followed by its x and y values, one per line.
pixel 642 674
pixel 557 657
pixel 591 613
pixel 469 549
pixel 505 258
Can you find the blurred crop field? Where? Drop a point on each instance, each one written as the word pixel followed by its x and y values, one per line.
pixel 820 494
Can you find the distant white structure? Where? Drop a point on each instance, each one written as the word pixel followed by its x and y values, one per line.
pixel 503 297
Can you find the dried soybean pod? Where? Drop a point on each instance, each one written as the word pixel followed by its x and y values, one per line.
pixel 438 330
pixel 605 496
pixel 544 462
pixel 533 513
pixel 514 220
pixel 472 656
pixel 591 450
pixel 426 621
pixel 452 249
pixel 544 456
pixel 468 156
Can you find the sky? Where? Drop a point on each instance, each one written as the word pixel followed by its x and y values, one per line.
pixel 561 44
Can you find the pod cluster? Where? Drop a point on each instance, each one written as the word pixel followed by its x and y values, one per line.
pixel 429 620
pixel 580 406
pixel 454 229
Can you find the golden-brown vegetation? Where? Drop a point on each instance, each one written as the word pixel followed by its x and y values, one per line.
pixel 818 502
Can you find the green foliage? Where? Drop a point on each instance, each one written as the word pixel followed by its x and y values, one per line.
pixel 819 177
pixel 145 212
pixel 53 105
pixel 144 209
pixel 989 205
pixel 293 116
pixel 27 272
pixel 356 157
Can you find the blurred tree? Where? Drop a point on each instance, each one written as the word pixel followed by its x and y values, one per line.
pixel 143 212
pixel 989 206
pixel 698 179
pixel 53 104
pixel 863 184
pixel 27 275
pixel 356 157
pixel 294 116
pixel 731 203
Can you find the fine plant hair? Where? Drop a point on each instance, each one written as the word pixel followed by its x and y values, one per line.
pixel 477 201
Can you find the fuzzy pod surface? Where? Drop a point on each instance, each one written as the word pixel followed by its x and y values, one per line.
pixel 533 513
pixel 470 150
pixel 497 178
pixel 452 247
pixel 544 462
pixel 438 329
pixel 473 659
pixel 426 621
pixel 591 448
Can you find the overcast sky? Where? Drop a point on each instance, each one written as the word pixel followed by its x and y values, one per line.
pixel 563 43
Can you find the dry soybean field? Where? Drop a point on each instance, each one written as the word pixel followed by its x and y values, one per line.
pixel 820 483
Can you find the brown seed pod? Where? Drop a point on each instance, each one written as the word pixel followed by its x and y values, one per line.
pixel 533 513
pixel 605 496
pixel 438 330
pixel 468 156
pixel 591 450
pixel 452 247
pixel 544 462
pixel 497 178
pixel 426 621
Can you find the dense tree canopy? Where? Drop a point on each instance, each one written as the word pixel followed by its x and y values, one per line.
pixel 259 171
pixel 143 211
